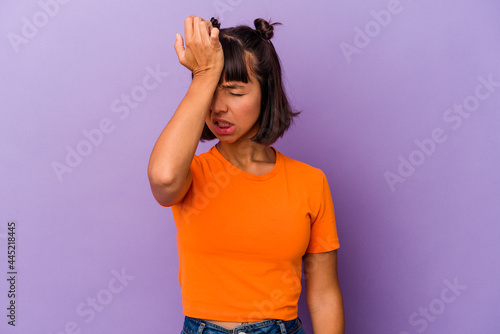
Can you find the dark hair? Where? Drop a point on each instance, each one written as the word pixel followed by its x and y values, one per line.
pixel 244 46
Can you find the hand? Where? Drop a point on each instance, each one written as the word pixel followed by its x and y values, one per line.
pixel 203 53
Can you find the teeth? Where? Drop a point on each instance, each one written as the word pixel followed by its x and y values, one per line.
pixel 223 124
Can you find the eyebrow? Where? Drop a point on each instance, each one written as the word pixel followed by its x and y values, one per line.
pixel 231 86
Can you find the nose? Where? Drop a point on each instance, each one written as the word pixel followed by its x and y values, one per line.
pixel 219 102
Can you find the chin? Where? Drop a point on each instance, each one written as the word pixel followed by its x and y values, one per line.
pixel 227 140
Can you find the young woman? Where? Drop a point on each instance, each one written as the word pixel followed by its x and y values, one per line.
pixel 246 215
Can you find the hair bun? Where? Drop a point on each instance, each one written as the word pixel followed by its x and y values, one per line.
pixel 215 23
pixel 264 29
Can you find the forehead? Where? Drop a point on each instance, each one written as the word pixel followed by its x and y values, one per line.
pixel 238 82
pixel 237 64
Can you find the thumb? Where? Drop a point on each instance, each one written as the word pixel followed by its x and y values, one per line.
pixel 179 46
pixel 214 37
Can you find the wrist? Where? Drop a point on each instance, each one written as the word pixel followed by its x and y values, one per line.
pixel 209 75
pixel 204 83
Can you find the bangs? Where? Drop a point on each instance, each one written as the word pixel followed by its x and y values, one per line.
pixel 235 66
pixel 249 57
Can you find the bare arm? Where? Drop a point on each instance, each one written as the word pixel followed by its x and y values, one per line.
pixel 323 295
pixel 168 170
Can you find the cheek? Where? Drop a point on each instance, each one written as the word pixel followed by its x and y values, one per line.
pixel 249 107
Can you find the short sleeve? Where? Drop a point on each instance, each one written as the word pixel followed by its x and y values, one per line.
pixel 196 173
pixel 324 236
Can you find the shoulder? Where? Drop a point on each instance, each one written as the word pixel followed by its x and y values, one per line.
pixel 210 163
pixel 205 158
pixel 304 170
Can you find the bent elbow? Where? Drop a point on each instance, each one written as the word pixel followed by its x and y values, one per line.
pixel 169 191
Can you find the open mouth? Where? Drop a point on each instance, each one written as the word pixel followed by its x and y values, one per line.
pixel 223 125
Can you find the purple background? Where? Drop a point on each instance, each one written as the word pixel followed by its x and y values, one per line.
pixel 361 112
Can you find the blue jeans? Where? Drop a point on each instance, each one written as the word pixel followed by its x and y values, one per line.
pixel 269 326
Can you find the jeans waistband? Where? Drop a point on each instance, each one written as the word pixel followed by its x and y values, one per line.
pixel 198 326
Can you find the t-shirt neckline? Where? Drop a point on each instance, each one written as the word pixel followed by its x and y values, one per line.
pixel 273 172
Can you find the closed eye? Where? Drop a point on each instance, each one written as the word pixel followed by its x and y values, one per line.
pixel 236 94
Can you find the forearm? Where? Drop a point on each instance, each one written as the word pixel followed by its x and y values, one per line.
pixel 174 150
pixel 328 317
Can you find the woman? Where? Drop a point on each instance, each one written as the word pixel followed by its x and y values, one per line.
pixel 246 215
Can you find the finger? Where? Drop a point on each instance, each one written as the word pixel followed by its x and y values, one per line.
pixel 188 27
pixel 209 27
pixel 196 28
pixel 179 46
pixel 205 31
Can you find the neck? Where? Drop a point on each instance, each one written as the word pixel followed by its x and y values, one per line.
pixel 246 153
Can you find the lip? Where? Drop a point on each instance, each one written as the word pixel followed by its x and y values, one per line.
pixel 220 120
pixel 222 131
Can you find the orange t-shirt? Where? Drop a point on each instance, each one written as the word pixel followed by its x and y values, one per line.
pixel 241 237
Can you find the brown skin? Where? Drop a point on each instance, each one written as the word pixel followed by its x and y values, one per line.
pixel 323 295
pixel 241 107
pixel 168 169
